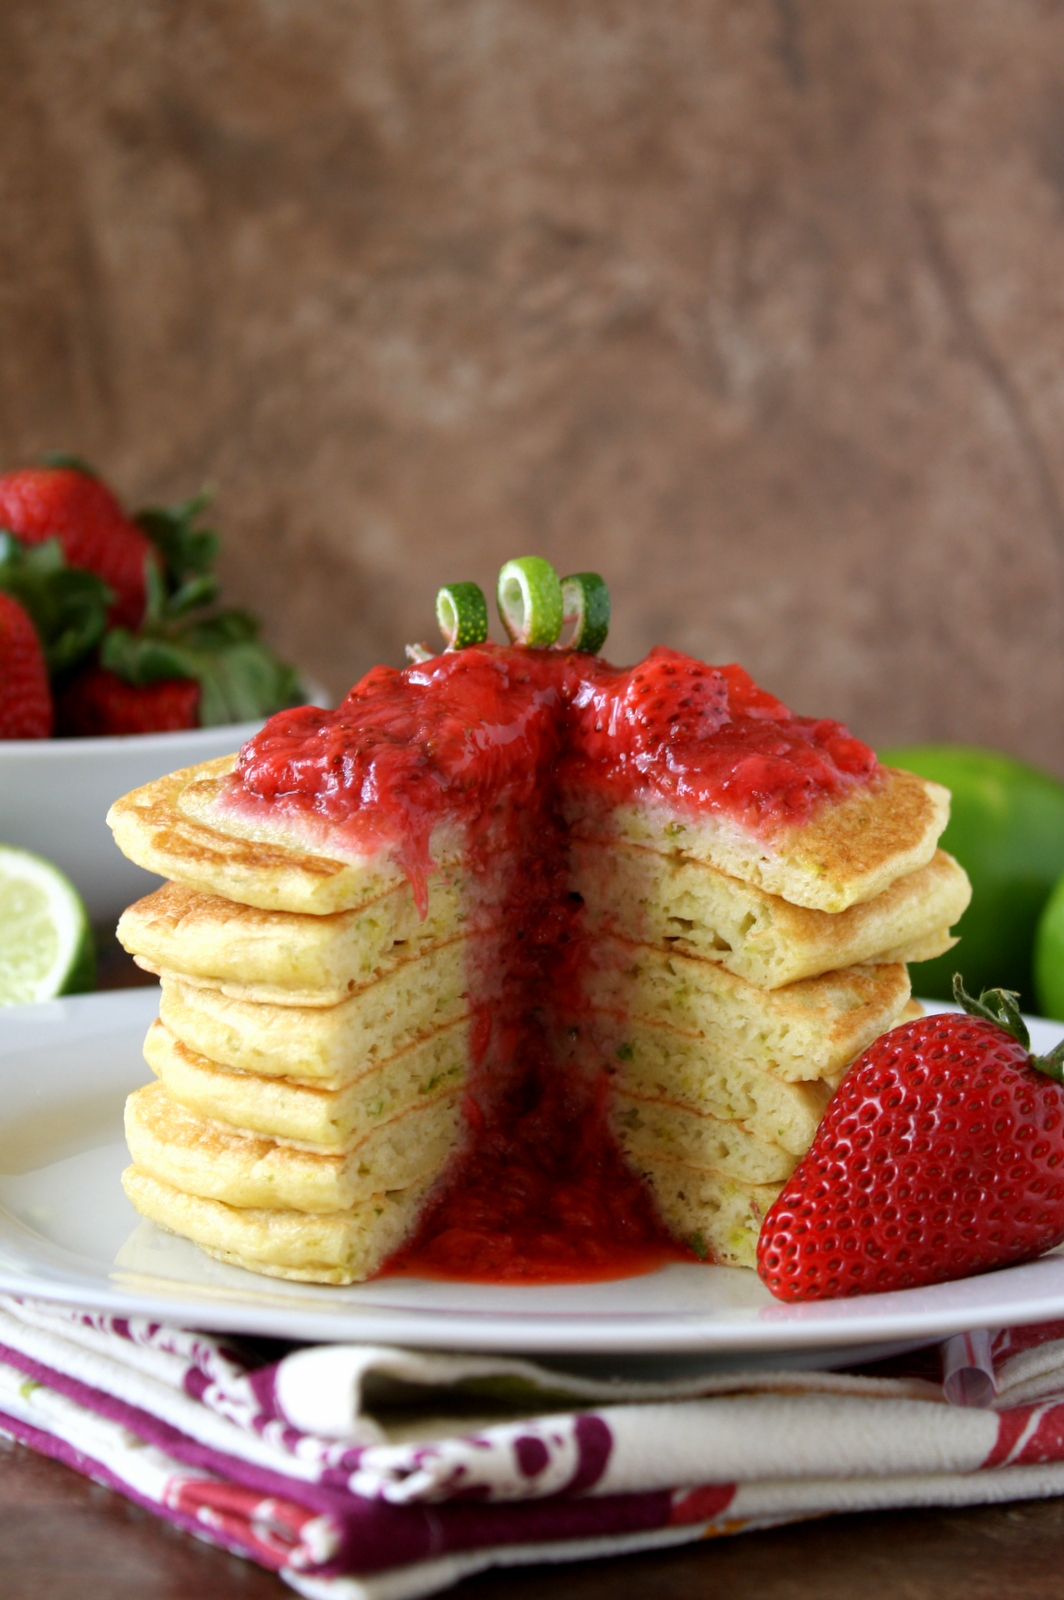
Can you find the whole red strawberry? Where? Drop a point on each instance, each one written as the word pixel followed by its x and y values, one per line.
pixel 941 1155
pixel 64 503
pixel 25 697
pixel 98 702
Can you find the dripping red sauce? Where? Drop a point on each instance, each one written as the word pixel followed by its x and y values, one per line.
pixel 493 739
pixel 543 1197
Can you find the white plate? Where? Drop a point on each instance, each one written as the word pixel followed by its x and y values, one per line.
pixel 68 1233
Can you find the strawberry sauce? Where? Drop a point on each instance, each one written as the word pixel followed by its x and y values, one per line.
pixel 444 738
pixel 491 739
pixel 543 1197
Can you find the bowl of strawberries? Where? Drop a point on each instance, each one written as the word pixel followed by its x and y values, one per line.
pixel 117 665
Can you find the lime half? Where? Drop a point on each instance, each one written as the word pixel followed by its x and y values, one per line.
pixel 45 940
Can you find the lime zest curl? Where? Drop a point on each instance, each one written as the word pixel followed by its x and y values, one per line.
pixel 535 606
pixel 585 605
pixel 462 613
pixel 530 602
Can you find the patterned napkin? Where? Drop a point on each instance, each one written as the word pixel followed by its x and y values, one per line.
pixel 363 1473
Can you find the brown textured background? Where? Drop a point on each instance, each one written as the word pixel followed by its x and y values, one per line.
pixel 757 307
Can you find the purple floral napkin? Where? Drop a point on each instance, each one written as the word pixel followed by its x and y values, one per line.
pixel 363 1473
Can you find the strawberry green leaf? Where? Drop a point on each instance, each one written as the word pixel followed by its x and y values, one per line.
pixel 187 550
pixel 1001 1006
pixel 142 658
pixel 241 680
pixel 68 605
pixel 243 683
pixel 221 629
pixel 63 458
pixel 1052 1064
pixel 199 590
pixel 156 592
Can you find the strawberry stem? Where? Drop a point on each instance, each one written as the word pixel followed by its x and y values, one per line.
pixel 994 1005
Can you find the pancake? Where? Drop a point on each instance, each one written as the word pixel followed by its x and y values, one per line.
pixel 657 1063
pixel 338 1247
pixel 200 1157
pixel 810 1029
pixel 171 827
pixel 288 958
pixel 647 1130
pixel 717 1217
pixel 848 851
pixel 330 1045
pixel 329 1121
pixel 690 907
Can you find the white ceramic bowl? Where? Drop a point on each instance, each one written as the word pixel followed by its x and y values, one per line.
pixel 55 794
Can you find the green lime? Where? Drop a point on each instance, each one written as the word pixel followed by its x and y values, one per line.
pixel 1049 956
pixel 45 940
pixel 1006 829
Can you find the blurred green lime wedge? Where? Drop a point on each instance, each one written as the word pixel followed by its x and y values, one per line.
pixel 45 941
pixel 1006 829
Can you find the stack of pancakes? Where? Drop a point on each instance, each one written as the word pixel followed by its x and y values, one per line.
pixel 318 1036
pixel 310 1074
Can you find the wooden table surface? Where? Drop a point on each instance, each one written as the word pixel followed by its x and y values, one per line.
pixel 64 1538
